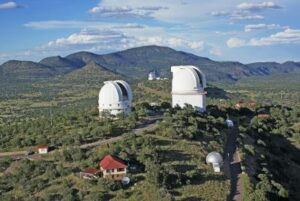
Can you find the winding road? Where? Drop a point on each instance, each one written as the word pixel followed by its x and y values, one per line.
pixel 233 166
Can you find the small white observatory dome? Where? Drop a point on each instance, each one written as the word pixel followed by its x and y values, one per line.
pixel 214 157
pixel 229 123
pixel 115 97
pixel 188 85
pixel 152 75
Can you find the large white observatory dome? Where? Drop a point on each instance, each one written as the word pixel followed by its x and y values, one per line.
pixel 115 97
pixel 188 85
pixel 187 79
pixel 214 157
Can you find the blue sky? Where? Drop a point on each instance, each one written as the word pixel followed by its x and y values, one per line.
pixel 239 30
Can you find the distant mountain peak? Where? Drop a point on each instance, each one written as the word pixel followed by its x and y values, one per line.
pixel 137 62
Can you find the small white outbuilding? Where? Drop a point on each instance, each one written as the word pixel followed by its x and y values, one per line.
pixel 42 149
pixel 115 97
pixel 188 86
pixel 152 75
pixel 216 160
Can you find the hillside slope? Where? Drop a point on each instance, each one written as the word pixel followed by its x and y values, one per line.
pixel 24 70
pixel 90 73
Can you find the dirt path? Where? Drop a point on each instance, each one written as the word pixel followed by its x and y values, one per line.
pixel 233 166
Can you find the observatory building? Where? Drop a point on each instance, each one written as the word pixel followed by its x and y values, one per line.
pixel 115 97
pixel 215 159
pixel 152 75
pixel 188 87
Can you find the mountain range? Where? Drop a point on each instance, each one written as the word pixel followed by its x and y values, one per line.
pixel 137 62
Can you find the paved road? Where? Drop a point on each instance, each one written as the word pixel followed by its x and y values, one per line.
pixel 233 166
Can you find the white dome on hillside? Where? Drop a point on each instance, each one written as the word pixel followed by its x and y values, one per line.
pixel 115 97
pixel 187 79
pixel 214 157
pixel 152 75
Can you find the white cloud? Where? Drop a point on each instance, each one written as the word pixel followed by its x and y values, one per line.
pixel 102 40
pixel 258 7
pixel 288 36
pixel 246 11
pixel 235 42
pixel 220 13
pixel 196 45
pixel 176 11
pixel 237 15
pixel 216 51
pixel 254 27
pixel 56 24
pixel 9 5
pixel 89 37
pixel 3 55
pixel 245 16
pixel 126 11
pixel 175 42
pixel 227 33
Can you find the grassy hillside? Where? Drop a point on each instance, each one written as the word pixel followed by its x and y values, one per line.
pixel 174 168
pixel 25 96
pixel 275 89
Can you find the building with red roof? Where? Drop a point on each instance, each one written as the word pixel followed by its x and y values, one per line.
pixel 263 116
pixel 113 167
pixel 241 104
pixel 42 149
pixel 90 173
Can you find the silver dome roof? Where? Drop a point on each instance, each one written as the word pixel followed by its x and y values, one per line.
pixel 214 157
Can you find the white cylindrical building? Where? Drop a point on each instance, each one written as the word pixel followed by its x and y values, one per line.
pixel 115 97
pixel 188 85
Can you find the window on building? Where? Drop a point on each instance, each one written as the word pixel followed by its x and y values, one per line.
pixel 120 169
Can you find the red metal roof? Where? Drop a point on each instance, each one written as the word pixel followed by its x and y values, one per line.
pixel 263 115
pixel 91 171
pixel 110 162
pixel 42 147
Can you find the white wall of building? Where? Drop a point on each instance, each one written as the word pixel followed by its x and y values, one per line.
pixel 43 150
pixel 198 101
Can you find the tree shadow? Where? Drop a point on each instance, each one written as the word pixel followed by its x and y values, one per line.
pixel 193 198
pixel 173 155
pixel 184 168
pixel 175 193
pixel 217 93
pixel 160 142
